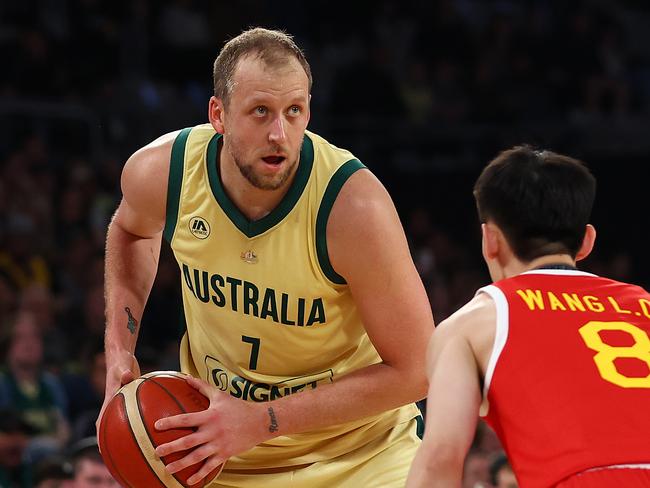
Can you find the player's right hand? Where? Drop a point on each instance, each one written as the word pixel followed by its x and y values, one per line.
pixel 122 371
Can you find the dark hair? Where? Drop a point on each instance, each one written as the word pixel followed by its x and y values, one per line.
pixel 85 449
pixel 497 464
pixel 271 46
pixel 541 200
pixel 52 468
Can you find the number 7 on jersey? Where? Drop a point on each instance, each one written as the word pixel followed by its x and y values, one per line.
pixel 255 350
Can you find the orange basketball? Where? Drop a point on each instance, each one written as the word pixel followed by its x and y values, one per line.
pixel 128 438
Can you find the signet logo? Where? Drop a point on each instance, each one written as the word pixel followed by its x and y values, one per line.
pixel 199 227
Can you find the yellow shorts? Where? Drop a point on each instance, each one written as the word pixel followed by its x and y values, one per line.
pixel 369 466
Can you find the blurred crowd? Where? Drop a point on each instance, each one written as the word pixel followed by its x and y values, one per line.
pixel 438 62
pixel 86 82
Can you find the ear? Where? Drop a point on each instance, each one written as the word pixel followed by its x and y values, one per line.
pixel 215 114
pixel 490 241
pixel 587 242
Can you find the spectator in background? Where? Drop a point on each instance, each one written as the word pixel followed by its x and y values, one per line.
pixel 38 395
pixel 501 474
pixel 85 391
pixel 89 468
pixel 39 303
pixel 476 471
pixel 53 472
pixel 8 300
pixel 19 260
pixel 14 436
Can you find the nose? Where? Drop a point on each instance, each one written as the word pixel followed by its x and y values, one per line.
pixel 276 133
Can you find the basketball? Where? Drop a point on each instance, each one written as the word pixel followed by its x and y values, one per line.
pixel 128 438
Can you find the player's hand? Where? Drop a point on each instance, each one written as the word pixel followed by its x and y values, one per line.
pixel 228 427
pixel 118 374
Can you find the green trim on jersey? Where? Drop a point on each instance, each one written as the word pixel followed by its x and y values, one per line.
pixel 176 163
pixel 333 188
pixel 252 228
pixel 420 426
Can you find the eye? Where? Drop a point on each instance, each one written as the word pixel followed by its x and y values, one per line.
pixel 260 110
pixel 294 110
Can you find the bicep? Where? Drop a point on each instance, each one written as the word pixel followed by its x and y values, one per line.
pixel 368 248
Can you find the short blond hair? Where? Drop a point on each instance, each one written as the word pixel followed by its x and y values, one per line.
pixel 274 47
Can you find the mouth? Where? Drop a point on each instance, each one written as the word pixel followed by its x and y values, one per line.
pixel 273 160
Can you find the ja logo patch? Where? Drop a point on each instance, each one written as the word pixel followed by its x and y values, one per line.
pixel 199 227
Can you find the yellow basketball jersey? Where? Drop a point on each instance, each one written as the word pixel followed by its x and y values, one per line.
pixel 266 314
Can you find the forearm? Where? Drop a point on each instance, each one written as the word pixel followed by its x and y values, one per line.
pixel 431 469
pixel 362 393
pixel 131 264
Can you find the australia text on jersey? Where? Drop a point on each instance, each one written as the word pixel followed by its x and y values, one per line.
pixel 228 291
pixel 574 302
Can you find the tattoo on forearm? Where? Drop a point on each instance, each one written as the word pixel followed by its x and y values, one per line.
pixel 273 426
pixel 132 324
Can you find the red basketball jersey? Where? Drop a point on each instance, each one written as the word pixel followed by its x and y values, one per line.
pixel 568 382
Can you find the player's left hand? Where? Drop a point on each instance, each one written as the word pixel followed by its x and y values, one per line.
pixel 228 427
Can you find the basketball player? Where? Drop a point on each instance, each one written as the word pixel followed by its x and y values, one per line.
pixel 306 319
pixel 557 360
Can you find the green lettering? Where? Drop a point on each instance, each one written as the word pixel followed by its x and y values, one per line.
pixel 251 294
pixel 301 312
pixel 188 279
pixel 234 283
pixel 216 282
pixel 285 309
pixel 247 387
pixel 236 387
pixel 269 307
pixel 317 313
pixel 201 286
pixel 275 393
pixel 259 386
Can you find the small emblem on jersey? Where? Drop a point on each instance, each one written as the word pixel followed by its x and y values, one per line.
pixel 249 257
pixel 199 227
pixel 220 378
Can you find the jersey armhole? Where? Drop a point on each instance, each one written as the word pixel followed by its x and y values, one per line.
pixel 327 202
pixel 500 338
pixel 175 182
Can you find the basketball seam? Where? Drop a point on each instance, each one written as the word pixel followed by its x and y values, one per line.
pixel 180 406
pixel 110 457
pixel 135 438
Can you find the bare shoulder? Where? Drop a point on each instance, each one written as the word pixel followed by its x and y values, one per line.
pixel 362 196
pixel 145 176
pixel 149 165
pixel 476 313
pixel 475 322
pixel 364 220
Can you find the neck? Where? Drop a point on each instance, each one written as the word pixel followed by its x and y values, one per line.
pixel 518 267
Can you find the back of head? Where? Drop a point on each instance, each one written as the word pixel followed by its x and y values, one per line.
pixel 541 201
pixel 274 47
